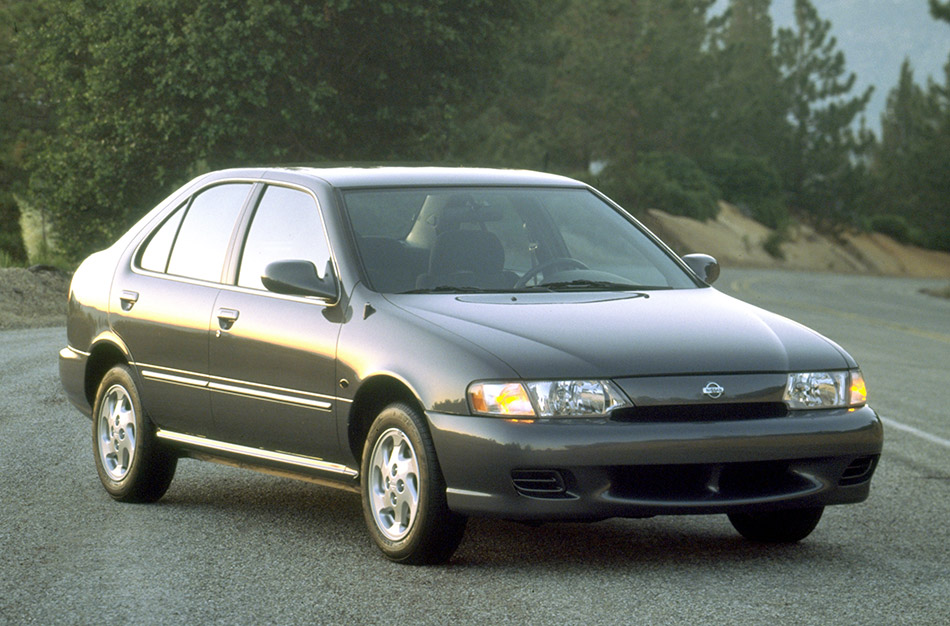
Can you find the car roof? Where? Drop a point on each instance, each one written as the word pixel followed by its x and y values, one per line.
pixel 409 176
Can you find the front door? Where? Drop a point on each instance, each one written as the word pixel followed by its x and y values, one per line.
pixel 272 357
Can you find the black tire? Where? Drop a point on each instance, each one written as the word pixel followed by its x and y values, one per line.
pixel 783 526
pixel 403 491
pixel 132 466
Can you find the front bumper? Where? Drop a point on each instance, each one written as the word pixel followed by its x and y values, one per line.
pixel 583 470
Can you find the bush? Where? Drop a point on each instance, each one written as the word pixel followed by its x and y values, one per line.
pixel 894 226
pixel 751 183
pixel 11 241
pixel 666 181
pixel 773 244
pixel 937 240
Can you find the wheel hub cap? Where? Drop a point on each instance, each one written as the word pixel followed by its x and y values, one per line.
pixel 116 432
pixel 394 484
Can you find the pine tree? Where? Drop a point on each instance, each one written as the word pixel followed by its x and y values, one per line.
pixel 749 108
pixel 940 10
pixel 910 164
pixel 817 155
pixel 905 127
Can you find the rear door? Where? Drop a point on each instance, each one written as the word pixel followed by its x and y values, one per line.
pixel 162 305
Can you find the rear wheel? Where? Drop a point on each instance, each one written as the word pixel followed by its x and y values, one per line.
pixel 132 466
pixel 403 491
pixel 783 526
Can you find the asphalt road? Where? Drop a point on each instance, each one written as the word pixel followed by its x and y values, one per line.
pixel 232 547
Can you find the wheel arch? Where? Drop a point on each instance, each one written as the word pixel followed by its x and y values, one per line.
pixel 374 394
pixel 104 355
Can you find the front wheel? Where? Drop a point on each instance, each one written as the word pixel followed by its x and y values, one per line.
pixel 783 526
pixel 131 465
pixel 403 491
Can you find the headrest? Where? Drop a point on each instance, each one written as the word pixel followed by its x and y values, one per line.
pixel 476 251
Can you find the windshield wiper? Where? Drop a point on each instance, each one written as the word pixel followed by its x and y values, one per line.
pixel 592 285
pixel 450 289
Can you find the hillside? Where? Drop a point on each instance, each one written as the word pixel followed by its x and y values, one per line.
pixel 737 241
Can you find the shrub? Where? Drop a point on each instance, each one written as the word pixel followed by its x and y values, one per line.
pixel 666 181
pixel 11 241
pixel 751 183
pixel 937 240
pixel 894 226
pixel 773 244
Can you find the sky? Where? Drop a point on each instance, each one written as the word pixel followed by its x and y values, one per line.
pixel 876 36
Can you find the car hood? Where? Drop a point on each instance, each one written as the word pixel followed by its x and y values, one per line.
pixel 689 331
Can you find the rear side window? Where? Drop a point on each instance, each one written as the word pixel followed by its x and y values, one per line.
pixel 286 226
pixel 155 254
pixel 202 240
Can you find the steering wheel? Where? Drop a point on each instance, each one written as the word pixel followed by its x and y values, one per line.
pixel 565 262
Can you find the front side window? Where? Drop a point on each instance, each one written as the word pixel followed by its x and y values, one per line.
pixel 202 240
pixel 286 226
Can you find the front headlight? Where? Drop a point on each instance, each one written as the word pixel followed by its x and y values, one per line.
pixel 825 390
pixel 558 398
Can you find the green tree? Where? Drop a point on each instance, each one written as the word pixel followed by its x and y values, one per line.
pixel 20 120
pixel 631 88
pixel 672 77
pixel 750 111
pixel 146 92
pixel 906 126
pixel 909 168
pixel 940 10
pixel 508 122
pixel 633 77
pixel 591 107
pixel 818 155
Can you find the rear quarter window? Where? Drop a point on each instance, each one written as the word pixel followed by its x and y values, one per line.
pixel 154 256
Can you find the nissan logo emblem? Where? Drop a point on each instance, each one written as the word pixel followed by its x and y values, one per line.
pixel 713 390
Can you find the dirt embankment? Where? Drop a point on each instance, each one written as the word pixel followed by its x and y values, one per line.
pixel 738 241
pixel 32 298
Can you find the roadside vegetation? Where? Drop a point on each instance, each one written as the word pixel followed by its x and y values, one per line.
pixel 937 293
pixel 108 106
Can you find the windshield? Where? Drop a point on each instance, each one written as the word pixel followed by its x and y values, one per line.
pixel 467 240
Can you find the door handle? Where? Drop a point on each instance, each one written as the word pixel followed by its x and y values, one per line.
pixel 128 299
pixel 226 318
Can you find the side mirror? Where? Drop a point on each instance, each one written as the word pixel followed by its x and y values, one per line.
pixel 704 266
pixel 299 278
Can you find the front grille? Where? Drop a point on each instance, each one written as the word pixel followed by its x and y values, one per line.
pixel 710 412
pixel 540 483
pixel 706 482
pixel 859 471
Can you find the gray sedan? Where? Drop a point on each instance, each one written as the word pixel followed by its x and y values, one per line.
pixel 451 343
